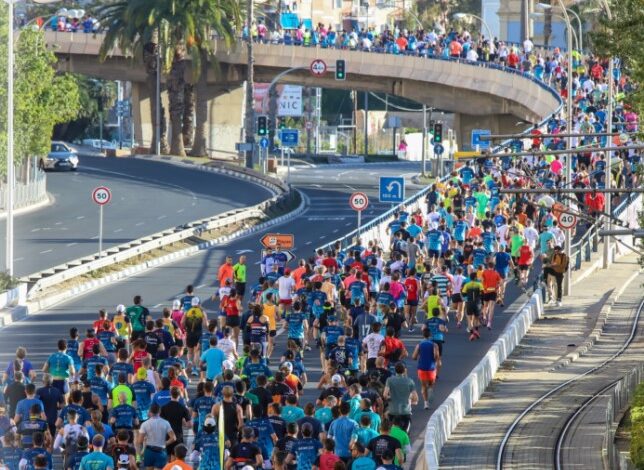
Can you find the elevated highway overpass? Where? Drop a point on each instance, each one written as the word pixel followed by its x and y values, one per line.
pixel 480 95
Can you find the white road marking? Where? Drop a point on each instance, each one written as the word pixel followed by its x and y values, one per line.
pixel 347 224
pixel 35 230
pixel 311 219
pixel 336 230
pixel 138 224
pixel 161 217
pixel 241 252
pixel 322 237
pixel 72 244
pixel 118 230
pixel 316 185
pixel 350 187
pixel 80 217
pixel 180 211
pixel 58 223
pixel 46 251
pixel 157 305
pixel 308 243
pixel 17 259
pixel 94 238
pixel 201 286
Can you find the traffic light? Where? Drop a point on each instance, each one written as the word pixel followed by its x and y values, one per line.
pixel 262 125
pixel 340 73
pixel 282 124
pixel 438 133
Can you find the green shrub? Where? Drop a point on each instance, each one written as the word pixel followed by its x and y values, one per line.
pixel 637 428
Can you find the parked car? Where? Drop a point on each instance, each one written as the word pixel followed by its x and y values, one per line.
pixel 61 157
pixel 101 144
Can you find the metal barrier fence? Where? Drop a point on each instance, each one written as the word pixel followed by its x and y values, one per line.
pixel 26 194
pixel 618 402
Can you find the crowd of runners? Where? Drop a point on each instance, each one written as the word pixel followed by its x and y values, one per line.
pixel 189 387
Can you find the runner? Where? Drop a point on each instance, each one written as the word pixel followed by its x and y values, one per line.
pixel 427 353
pixel 473 291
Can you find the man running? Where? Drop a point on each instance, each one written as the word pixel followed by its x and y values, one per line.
pixel 429 363
pixel 472 291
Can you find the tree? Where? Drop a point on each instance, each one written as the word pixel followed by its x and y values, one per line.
pixel 181 29
pixel 130 26
pixel 623 37
pixel 42 98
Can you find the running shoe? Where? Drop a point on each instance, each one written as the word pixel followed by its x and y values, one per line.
pixel 426 405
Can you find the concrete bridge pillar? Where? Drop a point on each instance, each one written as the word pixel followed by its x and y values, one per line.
pixel 497 123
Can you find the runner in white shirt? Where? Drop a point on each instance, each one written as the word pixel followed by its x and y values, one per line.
pixel 286 289
pixel 372 343
pixel 531 234
pixel 228 346
pixel 559 235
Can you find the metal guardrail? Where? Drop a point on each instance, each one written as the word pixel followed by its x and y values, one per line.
pixel 58 274
pixel 618 402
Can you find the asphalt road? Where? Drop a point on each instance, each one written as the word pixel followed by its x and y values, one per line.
pixel 147 197
pixel 316 226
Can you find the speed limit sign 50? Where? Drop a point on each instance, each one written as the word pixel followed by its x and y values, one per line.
pixel 101 195
pixel 567 221
pixel 359 201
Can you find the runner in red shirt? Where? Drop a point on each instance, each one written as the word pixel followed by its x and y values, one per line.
pixel 492 281
pixel 412 286
pixel 392 348
pixel 100 323
pixel 526 257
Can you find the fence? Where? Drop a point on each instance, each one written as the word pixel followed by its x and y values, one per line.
pixel 618 402
pixel 26 194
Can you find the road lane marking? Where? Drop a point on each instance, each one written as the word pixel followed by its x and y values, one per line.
pixel 80 217
pixel 35 230
pixel 157 305
pixel 350 187
pixel 336 230
pixel 161 217
pixel 72 244
pixel 118 230
pixel 46 251
pixel 308 243
pixel 17 259
pixel 138 224
pixel 94 238
pixel 58 223
pixel 180 211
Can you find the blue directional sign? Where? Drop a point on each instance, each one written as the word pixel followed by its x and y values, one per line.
pixel 476 138
pixel 439 149
pixel 290 137
pixel 392 189
pixel 263 143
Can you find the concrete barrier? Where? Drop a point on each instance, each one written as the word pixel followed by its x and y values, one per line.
pixel 12 297
pixel 445 419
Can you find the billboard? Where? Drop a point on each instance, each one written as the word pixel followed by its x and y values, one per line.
pixel 289 99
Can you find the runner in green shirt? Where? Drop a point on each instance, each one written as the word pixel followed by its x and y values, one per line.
pixel 138 315
pixel 239 274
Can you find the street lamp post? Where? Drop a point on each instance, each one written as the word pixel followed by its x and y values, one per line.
pixel 609 160
pixel 461 15
pixel 10 138
pixel 575 36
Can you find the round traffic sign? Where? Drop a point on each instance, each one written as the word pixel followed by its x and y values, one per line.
pixel 359 201
pixel 318 67
pixel 101 195
pixel 567 221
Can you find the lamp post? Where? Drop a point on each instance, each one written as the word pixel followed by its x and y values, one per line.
pixel 579 36
pixel 609 160
pixel 536 15
pixel 461 15
pixel 10 137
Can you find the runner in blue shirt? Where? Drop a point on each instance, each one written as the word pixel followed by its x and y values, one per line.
pixel 460 229
pixel 466 173
pixel 143 392
pixel 489 241
pixel 478 255
pixel 207 444
pixel 305 451
pixel 434 243
pixel 297 324
pixel 264 432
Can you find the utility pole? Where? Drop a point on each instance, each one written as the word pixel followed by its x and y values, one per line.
pixel 424 152
pixel 249 127
pixel 366 125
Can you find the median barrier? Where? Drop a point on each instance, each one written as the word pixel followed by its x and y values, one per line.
pixel 445 419
pixel 53 276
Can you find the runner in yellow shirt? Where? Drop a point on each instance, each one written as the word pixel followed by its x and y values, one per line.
pixel 270 311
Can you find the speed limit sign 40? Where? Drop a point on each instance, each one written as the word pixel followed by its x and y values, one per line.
pixel 318 67
pixel 101 195
pixel 567 221
pixel 359 201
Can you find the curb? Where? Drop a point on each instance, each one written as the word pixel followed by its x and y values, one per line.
pixel 598 328
pixel 48 200
pixel 34 307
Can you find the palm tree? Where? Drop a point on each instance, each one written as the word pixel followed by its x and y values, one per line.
pixel 129 27
pixel 183 28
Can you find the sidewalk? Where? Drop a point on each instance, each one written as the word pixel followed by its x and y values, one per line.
pixel 536 365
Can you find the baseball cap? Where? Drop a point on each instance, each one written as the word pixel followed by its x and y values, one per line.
pixel 228 365
pixel 210 421
pixel 287 271
pixel 176 304
pixel 195 301
pixel 120 308
pixel 288 366
pixel 336 379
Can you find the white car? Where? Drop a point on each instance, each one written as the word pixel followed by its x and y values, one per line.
pixel 100 144
pixel 61 157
